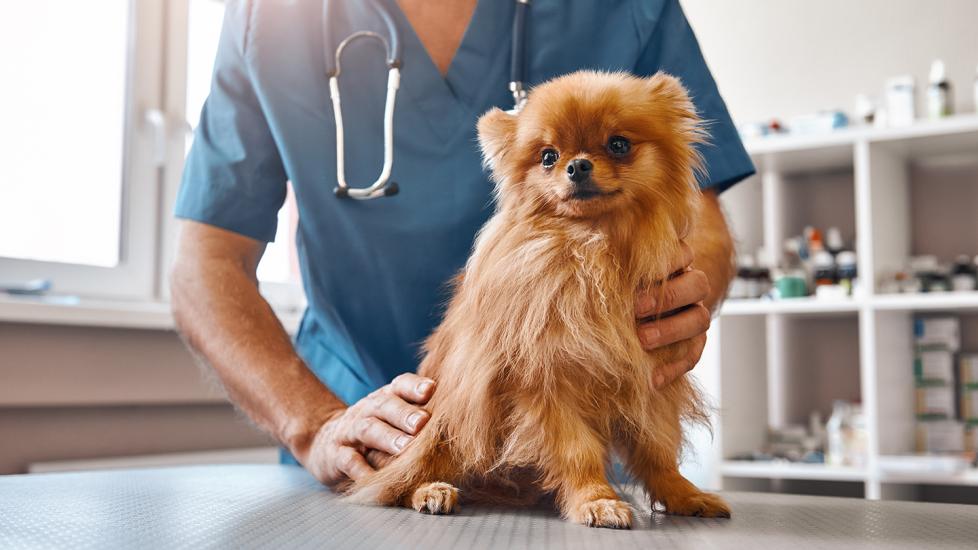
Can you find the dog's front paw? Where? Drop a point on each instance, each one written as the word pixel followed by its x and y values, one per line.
pixel 704 505
pixel 603 512
pixel 435 498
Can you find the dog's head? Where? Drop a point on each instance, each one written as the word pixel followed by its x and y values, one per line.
pixel 589 144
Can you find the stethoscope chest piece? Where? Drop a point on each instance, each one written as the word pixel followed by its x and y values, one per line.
pixel 389 190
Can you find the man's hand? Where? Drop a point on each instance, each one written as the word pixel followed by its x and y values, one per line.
pixel 675 314
pixel 385 421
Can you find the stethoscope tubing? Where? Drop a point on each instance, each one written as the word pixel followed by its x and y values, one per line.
pixel 382 186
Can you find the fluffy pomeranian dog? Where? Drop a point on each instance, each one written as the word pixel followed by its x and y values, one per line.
pixel 541 376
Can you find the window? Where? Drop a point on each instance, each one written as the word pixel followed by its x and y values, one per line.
pixel 278 271
pixel 63 208
pixel 78 176
pixel 95 133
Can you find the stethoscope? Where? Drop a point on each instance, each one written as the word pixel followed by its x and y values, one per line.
pixel 383 187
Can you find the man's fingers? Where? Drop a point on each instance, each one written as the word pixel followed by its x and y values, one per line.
pixel 378 459
pixel 352 464
pixel 667 373
pixel 374 433
pixel 400 414
pixel 669 330
pixel 413 388
pixel 687 288
pixel 684 259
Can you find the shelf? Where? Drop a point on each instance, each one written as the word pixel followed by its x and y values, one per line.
pixel 967 478
pixel 803 153
pixel 72 311
pixel 895 192
pixel 953 136
pixel 937 301
pixel 799 306
pixel 821 472
pixel 791 470
pixel 788 143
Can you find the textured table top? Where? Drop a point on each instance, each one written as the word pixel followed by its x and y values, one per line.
pixel 283 507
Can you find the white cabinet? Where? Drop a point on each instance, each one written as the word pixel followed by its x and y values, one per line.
pixel 893 192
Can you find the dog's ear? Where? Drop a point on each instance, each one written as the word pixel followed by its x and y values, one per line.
pixel 497 131
pixel 670 93
pixel 670 103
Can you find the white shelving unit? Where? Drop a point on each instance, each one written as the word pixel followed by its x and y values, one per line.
pixel 893 193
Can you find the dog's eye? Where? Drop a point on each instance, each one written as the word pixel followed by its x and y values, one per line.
pixel 619 146
pixel 549 157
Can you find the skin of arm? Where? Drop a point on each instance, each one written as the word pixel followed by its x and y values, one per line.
pixel 225 320
pixel 705 273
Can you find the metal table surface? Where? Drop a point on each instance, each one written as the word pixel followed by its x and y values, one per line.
pixel 260 506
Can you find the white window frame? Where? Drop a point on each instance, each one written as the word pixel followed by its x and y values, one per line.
pixel 135 276
pixel 283 297
pixel 155 136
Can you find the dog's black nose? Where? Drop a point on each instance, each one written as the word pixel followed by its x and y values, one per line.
pixel 579 170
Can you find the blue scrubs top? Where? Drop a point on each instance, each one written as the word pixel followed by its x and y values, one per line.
pixel 375 272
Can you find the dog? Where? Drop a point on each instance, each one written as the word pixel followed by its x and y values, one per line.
pixel 540 374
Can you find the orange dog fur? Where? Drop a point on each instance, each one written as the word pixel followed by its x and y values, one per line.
pixel 540 373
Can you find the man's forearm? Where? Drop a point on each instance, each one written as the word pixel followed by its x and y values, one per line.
pixel 223 317
pixel 713 249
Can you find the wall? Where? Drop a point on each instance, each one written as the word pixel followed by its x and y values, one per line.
pixel 777 58
pixel 77 392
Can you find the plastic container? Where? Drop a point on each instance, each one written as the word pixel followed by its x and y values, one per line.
pixel 743 283
pixel 899 99
pixel 824 270
pixel 837 432
pixel 939 103
pixel 963 275
pixel 847 272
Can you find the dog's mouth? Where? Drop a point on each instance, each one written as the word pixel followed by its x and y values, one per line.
pixel 590 191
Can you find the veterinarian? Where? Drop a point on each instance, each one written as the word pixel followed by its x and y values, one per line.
pixel 375 272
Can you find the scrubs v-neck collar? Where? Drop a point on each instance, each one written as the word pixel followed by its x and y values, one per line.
pixel 462 93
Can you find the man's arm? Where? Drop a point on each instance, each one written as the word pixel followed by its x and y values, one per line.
pixel 222 316
pixel 709 267
pixel 713 250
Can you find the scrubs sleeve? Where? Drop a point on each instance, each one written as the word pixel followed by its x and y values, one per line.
pixel 233 177
pixel 671 47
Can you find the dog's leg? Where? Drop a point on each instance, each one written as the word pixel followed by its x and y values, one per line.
pixel 575 465
pixel 435 496
pixel 415 479
pixel 682 498
pixel 656 464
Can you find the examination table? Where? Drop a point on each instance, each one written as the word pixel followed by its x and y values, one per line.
pixel 283 507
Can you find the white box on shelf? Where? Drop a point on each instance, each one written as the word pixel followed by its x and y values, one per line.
pixel 969 403
pixel 935 400
pixel 938 332
pixel 940 436
pixel 934 366
pixel 968 368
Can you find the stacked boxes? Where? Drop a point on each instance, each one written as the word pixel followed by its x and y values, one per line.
pixel 939 426
pixel 968 381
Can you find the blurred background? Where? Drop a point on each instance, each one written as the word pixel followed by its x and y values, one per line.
pixel 842 364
